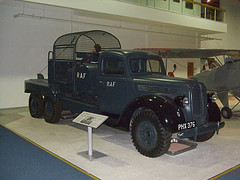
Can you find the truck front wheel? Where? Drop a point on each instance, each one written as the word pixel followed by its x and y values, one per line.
pixel 51 110
pixel 35 104
pixel 149 137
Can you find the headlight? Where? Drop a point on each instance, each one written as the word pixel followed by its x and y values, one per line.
pixel 212 97
pixel 181 101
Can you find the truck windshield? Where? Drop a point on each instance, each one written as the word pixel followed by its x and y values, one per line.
pixel 146 65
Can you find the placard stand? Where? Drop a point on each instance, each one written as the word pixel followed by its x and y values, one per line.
pixel 91 120
pixel 90 144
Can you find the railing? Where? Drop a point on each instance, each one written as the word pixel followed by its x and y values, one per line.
pixel 211 12
pixel 187 7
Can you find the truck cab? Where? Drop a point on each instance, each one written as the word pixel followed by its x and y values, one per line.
pixel 130 86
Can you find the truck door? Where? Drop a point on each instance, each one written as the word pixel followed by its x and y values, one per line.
pixel 112 91
pixel 64 74
pixel 64 67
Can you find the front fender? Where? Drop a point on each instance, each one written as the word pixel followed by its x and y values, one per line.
pixel 214 112
pixel 165 108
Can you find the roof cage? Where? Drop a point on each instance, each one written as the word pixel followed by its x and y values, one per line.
pixel 67 45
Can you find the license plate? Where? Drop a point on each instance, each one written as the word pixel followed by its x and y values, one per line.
pixel 187 125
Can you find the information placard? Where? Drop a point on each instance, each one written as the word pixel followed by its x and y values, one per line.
pixel 90 119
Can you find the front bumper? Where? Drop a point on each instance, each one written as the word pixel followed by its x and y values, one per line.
pixel 206 128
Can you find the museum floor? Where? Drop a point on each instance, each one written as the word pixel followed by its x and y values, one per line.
pixel 66 139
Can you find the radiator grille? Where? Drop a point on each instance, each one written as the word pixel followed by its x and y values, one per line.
pixel 199 98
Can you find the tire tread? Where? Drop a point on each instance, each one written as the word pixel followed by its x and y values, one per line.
pixel 164 141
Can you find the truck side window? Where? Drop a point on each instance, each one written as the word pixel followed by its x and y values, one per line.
pixel 138 65
pixel 113 65
pixel 154 66
pixel 145 65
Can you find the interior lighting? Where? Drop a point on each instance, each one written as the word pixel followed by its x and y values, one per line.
pixel 208 1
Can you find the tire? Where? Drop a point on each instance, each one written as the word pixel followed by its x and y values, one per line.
pixel 51 110
pixel 204 137
pixel 149 137
pixel 226 112
pixel 35 105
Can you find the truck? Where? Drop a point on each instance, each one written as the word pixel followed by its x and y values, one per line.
pixel 129 86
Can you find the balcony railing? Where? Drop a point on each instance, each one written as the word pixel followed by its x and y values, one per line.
pixel 187 7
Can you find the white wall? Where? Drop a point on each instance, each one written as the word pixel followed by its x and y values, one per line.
pixel 25 42
pixel 176 6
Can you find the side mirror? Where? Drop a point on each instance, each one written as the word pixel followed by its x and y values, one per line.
pixel 174 67
pixel 40 76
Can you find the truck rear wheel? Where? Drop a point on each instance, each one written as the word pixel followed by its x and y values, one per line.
pixel 51 110
pixel 149 137
pixel 35 104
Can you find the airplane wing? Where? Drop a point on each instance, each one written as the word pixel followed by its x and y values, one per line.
pixel 192 53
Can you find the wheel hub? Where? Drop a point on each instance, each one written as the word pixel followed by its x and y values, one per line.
pixel 147 134
pixel 225 113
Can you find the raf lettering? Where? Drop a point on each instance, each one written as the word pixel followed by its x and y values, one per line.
pixel 111 84
pixel 81 75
